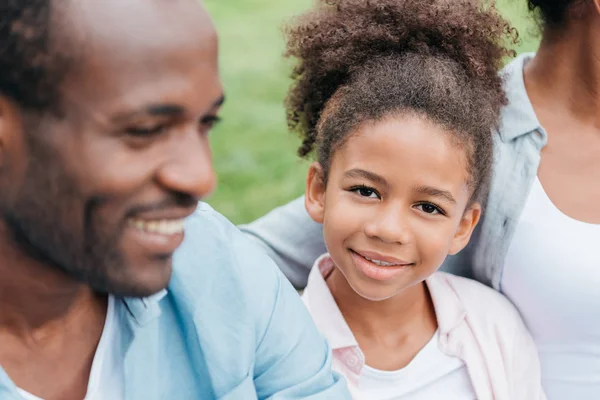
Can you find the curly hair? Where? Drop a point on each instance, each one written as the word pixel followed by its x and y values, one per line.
pixel 363 60
pixel 552 12
pixel 29 67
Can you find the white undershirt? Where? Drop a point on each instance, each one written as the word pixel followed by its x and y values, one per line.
pixel 552 274
pixel 430 375
pixel 106 377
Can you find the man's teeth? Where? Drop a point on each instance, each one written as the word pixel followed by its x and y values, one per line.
pixel 381 263
pixel 162 227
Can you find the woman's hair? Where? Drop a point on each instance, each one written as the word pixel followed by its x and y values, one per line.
pixel 552 12
pixel 365 60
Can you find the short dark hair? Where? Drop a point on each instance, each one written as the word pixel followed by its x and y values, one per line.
pixel 363 60
pixel 29 66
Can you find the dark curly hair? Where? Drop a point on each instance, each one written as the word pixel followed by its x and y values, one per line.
pixel 552 12
pixel 30 68
pixel 361 60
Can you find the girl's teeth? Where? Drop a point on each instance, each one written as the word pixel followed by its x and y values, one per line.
pixel 380 263
pixel 162 227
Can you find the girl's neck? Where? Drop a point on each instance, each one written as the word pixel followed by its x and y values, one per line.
pixel 399 326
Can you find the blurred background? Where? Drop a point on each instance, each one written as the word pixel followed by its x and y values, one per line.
pixel 254 153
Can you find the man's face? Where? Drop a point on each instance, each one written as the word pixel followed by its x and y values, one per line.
pixel 101 192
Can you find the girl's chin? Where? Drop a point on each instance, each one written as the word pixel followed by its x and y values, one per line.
pixel 377 293
pixel 365 289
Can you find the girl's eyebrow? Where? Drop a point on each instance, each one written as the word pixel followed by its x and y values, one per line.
pixel 434 192
pixel 370 176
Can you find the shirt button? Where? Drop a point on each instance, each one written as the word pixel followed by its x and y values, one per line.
pixel 352 361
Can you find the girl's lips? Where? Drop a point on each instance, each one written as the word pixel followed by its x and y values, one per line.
pixel 377 272
pixel 372 256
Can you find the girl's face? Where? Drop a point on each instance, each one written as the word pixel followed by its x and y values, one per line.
pixel 394 205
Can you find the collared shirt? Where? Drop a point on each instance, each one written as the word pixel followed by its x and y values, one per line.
pixel 229 327
pixel 294 241
pixel 476 324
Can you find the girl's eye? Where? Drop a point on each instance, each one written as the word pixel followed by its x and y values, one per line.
pixel 366 192
pixel 429 208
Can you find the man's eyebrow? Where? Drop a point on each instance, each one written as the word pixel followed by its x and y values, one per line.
pixel 157 110
pixel 161 110
pixel 166 110
pixel 433 192
pixel 370 176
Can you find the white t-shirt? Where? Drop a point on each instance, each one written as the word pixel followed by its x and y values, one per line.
pixel 430 375
pixel 552 275
pixel 106 377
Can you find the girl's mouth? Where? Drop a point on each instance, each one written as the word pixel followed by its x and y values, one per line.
pixel 378 267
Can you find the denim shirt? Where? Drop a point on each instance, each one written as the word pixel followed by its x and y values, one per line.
pixel 294 241
pixel 228 327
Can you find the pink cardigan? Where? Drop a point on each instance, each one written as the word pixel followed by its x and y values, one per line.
pixel 476 324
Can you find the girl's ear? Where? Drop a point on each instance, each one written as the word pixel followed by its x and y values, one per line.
pixel 465 228
pixel 314 201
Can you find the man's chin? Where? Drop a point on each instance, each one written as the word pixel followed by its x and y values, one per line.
pixel 141 282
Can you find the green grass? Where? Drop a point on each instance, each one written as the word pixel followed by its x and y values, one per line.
pixel 255 155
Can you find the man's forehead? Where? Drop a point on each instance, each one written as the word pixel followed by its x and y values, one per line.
pixel 120 25
pixel 134 49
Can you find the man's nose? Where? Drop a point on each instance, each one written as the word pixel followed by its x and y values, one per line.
pixel 189 170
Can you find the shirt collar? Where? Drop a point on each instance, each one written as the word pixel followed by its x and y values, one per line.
pixel 518 116
pixel 7 386
pixel 449 309
pixel 156 297
pixel 145 309
pixel 323 308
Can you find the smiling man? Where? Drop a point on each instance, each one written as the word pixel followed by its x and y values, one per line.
pixel 105 108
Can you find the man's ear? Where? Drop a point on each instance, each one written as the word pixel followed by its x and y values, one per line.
pixel 465 228
pixel 10 126
pixel 314 200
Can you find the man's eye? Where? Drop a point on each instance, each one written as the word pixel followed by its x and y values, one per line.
pixel 210 121
pixel 146 130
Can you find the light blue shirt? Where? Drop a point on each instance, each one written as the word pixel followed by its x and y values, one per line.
pixel 294 241
pixel 229 327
